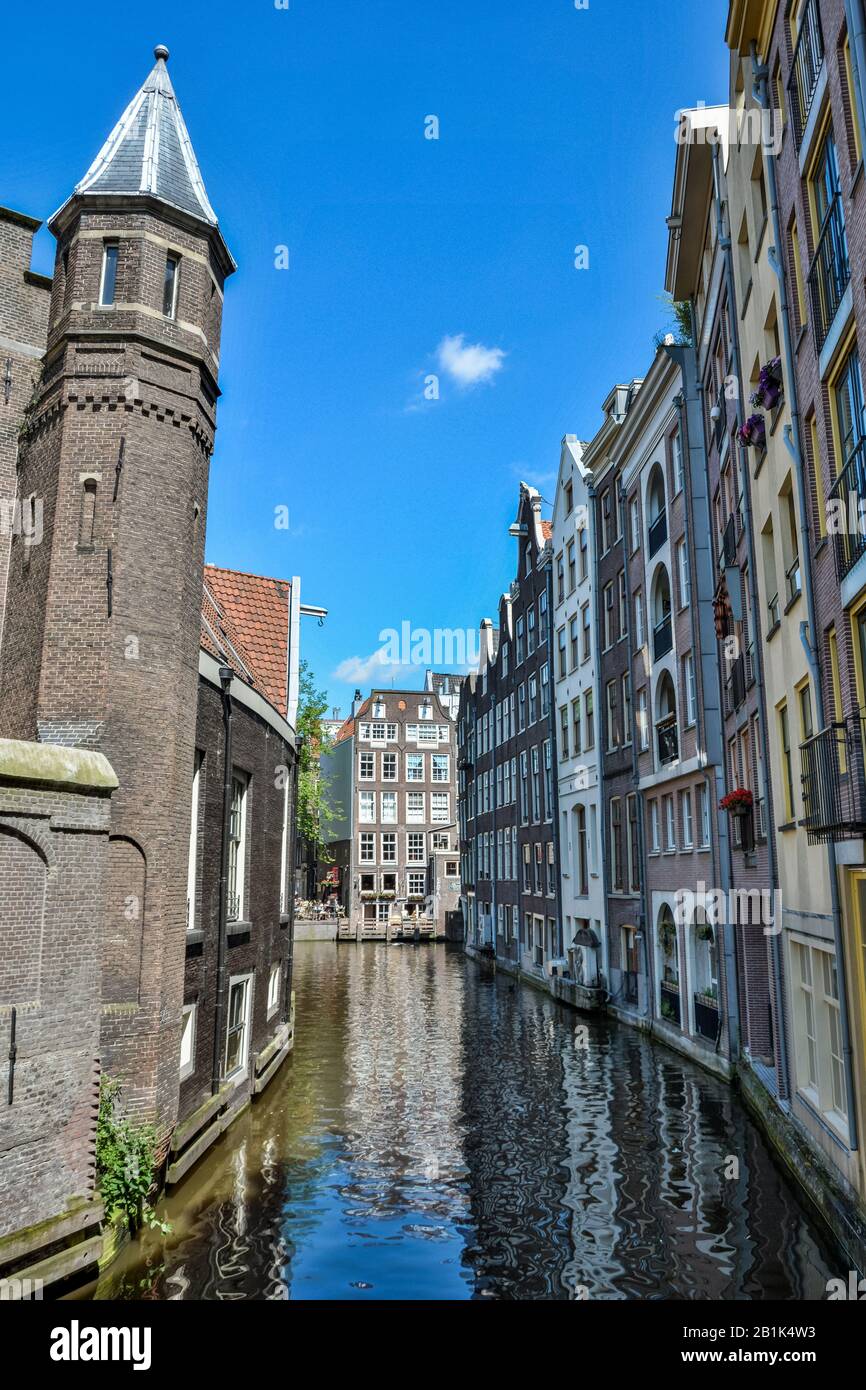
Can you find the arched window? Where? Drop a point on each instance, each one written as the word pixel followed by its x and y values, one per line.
pixel 663 633
pixel 656 511
pixel 666 719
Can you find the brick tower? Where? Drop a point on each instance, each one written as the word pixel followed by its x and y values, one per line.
pixel 101 639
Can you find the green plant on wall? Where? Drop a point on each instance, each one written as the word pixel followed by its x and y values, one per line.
pixel 125 1163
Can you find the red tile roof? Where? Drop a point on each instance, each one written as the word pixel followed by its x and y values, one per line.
pixel 547 529
pixel 245 621
pixel 348 728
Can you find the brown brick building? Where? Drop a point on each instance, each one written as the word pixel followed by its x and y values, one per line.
pixel 147 706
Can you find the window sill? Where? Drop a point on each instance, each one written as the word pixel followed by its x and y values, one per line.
pixel 239 928
pixel 746 297
pixel 787 827
pixel 772 632
pixel 195 937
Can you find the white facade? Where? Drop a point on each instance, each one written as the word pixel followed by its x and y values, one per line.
pixel 576 688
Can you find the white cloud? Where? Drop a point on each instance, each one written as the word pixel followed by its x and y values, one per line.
pixel 371 670
pixel 468 364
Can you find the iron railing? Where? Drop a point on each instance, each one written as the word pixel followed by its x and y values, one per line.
pixel 669 741
pixel 707 1017
pixel 806 68
pixel 834 783
pixel 850 490
pixel 658 533
pixel 670 996
pixel 736 684
pixel 830 271
pixel 663 638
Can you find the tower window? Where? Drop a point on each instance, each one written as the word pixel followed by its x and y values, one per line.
pixel 109 273
pixel 169 288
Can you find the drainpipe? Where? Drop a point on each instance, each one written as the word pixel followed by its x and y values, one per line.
pixel 292 833
pixel 855 14
pixel 690 417
pixel 635 770
pixel 596 699
pixel 726 247
pixel 222 925
pixel 793 440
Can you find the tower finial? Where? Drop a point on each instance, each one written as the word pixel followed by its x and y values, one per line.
pixel 161 52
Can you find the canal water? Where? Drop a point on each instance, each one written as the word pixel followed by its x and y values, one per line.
pixel 440 1133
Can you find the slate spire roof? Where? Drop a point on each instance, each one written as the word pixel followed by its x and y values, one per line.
pixel 149 151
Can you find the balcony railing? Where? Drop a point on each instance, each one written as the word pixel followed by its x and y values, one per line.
pixel 806 68
pixel 830 271
pixel 669 741
pixel 663 638
pixel 850 490
pixel 670 1000
pixel 736 684
pixel 658 533
pixel 707 1017
pixel 834 784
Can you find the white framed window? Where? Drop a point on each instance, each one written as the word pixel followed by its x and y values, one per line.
pixel 189 1021
pixel 378 709
pixel 274 988
pixel 415 847
pixel 440 807
pixel 415 808
pixel 441 771
pixel 367 767
pixel 704 809
pixel 238 1026
pixel 691 688
pixel 685 582
pixel 366 807
pixel 237 847
pixel 389 847
pixel 655 829
pixel 192 860
pixel 108 274
pixel 441 840
pixel 414 767
pixel 389 767
pixel 171 280
pixel 670 824
pixel 389 808
pixel 417 883
pixel 643 720
pixel 688 820
pixel 367 848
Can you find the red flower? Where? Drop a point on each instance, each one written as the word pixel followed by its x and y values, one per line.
pixel 739 800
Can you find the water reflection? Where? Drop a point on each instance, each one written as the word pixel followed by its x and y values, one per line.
pixel 441 1134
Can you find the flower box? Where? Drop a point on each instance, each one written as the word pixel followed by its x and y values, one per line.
pixel 753 434
pixel 738 803
pixel 768 392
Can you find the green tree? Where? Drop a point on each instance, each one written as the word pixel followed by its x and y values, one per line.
pixel 680 315
pixel 316 808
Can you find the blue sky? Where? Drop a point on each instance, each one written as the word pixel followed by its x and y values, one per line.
pixel 555 130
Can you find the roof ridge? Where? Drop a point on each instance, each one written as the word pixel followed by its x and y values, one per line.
pixel 248 574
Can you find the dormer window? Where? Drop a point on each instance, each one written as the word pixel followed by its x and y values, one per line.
pixel 379 709
pixel 108 278
pixel 169 288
